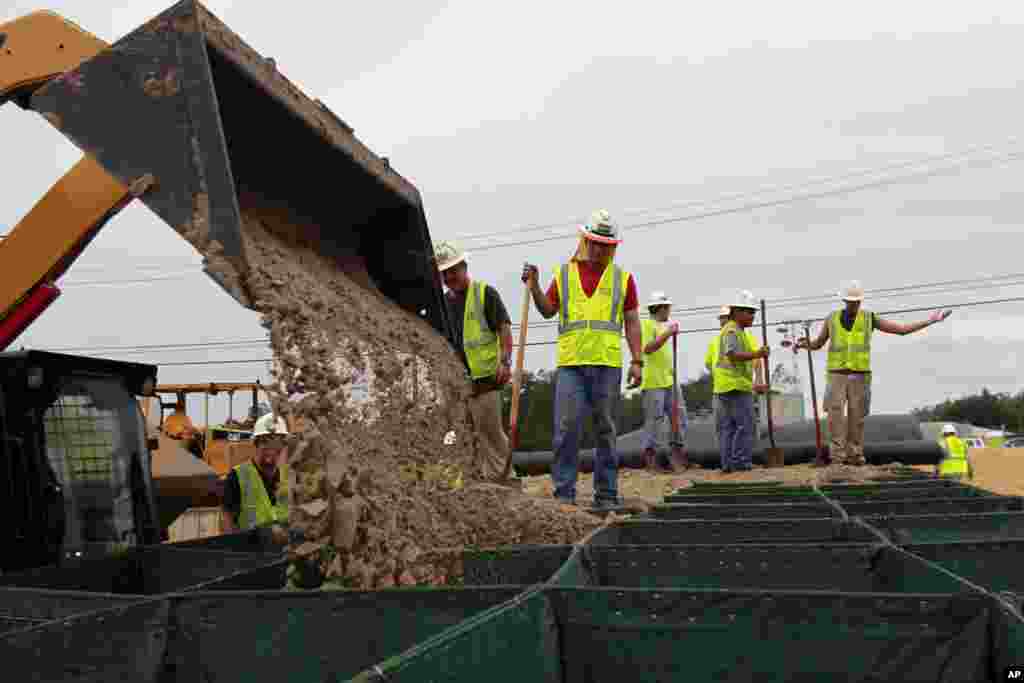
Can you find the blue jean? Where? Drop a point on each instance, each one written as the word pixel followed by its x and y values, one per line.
pixel 658 418
pixel 734 416
pixel 583 390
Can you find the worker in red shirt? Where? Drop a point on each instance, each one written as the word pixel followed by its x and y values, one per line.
pixel 595 300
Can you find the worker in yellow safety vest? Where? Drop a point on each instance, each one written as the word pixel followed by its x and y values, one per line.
pixel 595 301
pixel 848 388
pixel 660 392
pixel 734 386
pixel 955 464
pixel 256 491
pixel 483 338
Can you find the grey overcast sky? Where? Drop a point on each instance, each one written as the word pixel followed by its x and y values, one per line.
pixel 510 115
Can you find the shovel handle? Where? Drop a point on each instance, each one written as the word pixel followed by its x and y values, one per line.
pixel 517 381
pixel 767 376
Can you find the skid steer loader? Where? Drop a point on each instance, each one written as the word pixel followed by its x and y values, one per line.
pixel 183 115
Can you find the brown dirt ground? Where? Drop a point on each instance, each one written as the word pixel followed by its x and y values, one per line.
pixel 1000 470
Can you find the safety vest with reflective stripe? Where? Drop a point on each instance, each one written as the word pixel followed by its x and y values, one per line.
pixel 850 350
pixel 590 328
pixel 955 462
pixel 479 341
pixel 733 375
pixel 657 365
pixel 712 355
pixel 256 509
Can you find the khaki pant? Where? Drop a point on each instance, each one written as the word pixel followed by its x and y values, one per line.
pixel 486 411
pixel 847 401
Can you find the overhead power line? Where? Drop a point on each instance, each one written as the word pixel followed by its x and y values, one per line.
pixel 812 182
pixel 752 206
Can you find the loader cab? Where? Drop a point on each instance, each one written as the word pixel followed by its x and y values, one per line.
pixel 75 475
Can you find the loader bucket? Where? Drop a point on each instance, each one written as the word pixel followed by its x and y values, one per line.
pixel 220 136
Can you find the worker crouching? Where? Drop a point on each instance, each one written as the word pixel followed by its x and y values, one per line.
pixel 734 386
pixel 661 392
pixel 256 492
pixel 594 300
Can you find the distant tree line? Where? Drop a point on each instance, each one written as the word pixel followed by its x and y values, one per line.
pixel 537 409
pixel 987 409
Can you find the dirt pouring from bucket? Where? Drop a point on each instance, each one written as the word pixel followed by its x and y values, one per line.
pixel 385 485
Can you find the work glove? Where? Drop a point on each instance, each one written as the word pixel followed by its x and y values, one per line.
pixel 938 316
pixel 672 329
pixel 530 273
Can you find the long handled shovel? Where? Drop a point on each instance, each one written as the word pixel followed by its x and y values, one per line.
pixel 682 460
pixel 517 383
pixel 819 458
pixel 774 457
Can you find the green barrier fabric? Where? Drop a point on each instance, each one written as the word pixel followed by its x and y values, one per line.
pixel 155 570
pixel 687 532
pixel 933 506
pixel 705 636
pixel 908 493
pixel 904 529
pixel 997 566
pixel 259 540
pixel 118 644
pixel 846 568
pixel 777 511
pixel 22 608
pixel 307 637
pixel 513 565
pixel 514 643
pixel 806 495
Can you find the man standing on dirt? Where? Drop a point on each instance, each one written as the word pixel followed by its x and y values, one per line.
pixel 734 386
pixel 483 338
pixel 955 463
pixel 594 300
pixel 848 388
pixel 659 390
pixel 256 492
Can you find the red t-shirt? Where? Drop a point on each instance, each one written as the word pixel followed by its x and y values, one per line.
pixel 590 276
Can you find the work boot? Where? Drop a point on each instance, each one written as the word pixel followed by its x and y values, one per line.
pixel 680 461
pixel 650 459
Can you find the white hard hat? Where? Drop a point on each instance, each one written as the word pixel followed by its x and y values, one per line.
pixel 601 228
pixel 267 425
pixel 852 292
pixel 745 300
pixel 659 299
pixel 948 429
pixel 448 254
pixel 724 312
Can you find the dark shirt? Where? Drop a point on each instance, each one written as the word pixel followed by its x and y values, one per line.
pixel 494 313
pixel 846 320
pixel 233 491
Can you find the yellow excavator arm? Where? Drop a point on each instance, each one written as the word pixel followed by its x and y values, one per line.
pixel 34 50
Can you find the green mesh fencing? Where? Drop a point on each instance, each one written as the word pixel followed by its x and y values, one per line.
pixel 740 511
pixel 154 570
pixel 22 608
pixel 307 637
pixel 904 529
pixel 793 495
pixel 259 540
pixel 934 506
pixel 731 531
pixel 846 568
pixel 513 565
pixel 866 495
pixel 704 636
pixel 117 644
pixel 997 566
pixel 513 643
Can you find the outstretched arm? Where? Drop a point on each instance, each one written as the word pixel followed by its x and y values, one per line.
pixel 910 328
pixel 818 342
